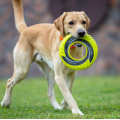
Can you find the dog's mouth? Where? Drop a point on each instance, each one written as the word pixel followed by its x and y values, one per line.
pixel 76 44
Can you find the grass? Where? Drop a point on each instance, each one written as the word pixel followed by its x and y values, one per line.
pixel 97 97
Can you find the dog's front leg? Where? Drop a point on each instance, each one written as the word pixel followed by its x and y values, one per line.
pixel 60 80
pixel 67 95
pixel 69 82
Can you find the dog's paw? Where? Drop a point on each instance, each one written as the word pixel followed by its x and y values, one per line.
pixel 57 108
pixel 77 112
pixel 65 107
pixel 5 104
pixel 2 104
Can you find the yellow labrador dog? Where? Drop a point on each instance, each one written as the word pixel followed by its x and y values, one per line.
pixel 40 43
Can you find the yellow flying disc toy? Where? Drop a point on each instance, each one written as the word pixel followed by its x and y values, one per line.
pixel 87 60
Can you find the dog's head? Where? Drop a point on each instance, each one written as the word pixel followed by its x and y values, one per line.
pixel 74 23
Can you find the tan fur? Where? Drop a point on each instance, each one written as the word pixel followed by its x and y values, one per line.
pixel 18 12
pixel 40 43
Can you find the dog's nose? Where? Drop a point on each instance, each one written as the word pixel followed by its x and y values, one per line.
pixel 81 33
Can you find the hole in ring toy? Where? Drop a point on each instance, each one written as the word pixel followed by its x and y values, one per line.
pixel 78 64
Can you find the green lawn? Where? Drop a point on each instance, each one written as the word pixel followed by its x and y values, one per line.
pixel 97 97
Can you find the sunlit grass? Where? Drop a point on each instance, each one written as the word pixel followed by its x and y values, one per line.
pixel 97 97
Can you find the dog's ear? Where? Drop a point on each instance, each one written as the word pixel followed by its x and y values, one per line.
pixel 59 23
pixel 88 21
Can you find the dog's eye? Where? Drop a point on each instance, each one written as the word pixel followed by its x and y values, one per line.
pixel 84 22
pixel 71 22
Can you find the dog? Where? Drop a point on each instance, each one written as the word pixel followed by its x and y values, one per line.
pixel 40 43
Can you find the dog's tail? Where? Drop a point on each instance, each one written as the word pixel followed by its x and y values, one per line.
pixel 19 16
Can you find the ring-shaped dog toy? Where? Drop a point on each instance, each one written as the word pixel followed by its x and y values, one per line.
pixel 87 60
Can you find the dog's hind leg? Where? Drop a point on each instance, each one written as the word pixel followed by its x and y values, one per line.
pixel 22 62
pixel 50 76
pixel 7 98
